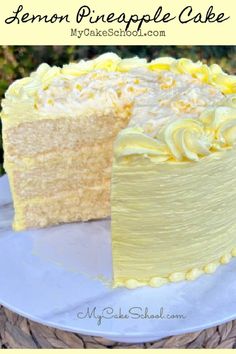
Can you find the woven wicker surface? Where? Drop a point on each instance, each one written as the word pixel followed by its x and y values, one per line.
pixel 18 332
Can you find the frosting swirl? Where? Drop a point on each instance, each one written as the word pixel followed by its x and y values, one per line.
pixel 185 139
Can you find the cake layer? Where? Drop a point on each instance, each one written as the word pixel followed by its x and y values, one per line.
pixel 29 185
pixel 86 204
pixel 42 136
pixel 62 185
pixel 97 154
pixel 50 173
pixel 169 219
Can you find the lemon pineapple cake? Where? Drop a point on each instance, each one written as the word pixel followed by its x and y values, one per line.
pixel 158 137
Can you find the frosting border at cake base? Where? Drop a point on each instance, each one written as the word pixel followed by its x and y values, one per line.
pixel 189 275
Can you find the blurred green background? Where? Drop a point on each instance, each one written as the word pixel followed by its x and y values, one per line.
pixel 19 61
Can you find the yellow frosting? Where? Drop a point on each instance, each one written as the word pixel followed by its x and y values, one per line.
pixel 25 90
pixel 44 75
pixel 176 276
pixel 226 258
pixel 172 221
pixel 156 282
pixel 193 274
pixel 185 139
pixel 211 267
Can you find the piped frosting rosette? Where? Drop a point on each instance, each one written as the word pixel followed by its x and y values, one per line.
pixel 185 139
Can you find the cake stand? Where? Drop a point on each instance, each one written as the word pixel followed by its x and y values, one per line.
pixel 61 277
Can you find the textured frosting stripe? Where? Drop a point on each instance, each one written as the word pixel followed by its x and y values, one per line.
pixel 165 214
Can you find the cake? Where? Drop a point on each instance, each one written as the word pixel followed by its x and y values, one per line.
pixel 149 143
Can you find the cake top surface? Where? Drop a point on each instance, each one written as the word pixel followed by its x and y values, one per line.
pixel 157 97
pixel 181 110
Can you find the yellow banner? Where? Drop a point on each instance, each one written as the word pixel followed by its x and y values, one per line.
pixel 100 22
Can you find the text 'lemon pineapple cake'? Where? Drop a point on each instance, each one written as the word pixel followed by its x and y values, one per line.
pixel 157 136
